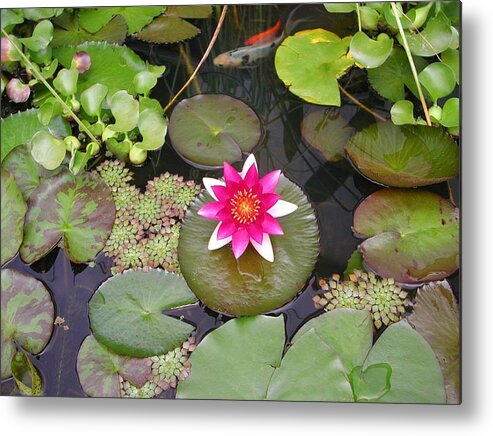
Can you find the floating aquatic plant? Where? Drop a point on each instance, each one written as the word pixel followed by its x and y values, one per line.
pixel 381 297
pixel 114 173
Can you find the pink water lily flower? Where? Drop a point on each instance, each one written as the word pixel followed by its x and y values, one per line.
pixel 246 208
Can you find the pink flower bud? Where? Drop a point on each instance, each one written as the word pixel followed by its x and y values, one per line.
pixel 81 61
pixel 17 91
pixel 6 47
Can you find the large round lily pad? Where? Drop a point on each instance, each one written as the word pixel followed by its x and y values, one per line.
pixel 413 236
pixel 207 130
pixel 80 209
pixel 99 369
pixel 126 313
pixel 13 212
pixel 404 156
pixel 310 62
pixel 250 285
pixel 27 316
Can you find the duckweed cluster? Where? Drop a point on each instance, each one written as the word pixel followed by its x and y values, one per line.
pixel 385 300
pixel 147 225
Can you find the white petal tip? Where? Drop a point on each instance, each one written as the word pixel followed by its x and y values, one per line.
pixel 248 163
pixel 209 182
pixel 214 243
pixel 282 208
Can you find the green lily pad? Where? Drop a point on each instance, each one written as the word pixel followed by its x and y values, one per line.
pixel 207 130
pixel 13 213
pixel 80 210
pixel 125 313
pixel 19 128
pixel 99 369
pixel 326 131
pixel 172 27
pixel 413 236
pixel 251 285
pixel 404 156
pixel 27 316
pixel 438 79
pixel 310 62
pixel 369 52
pixel 372 383
pixel 26 376
pixel 436 318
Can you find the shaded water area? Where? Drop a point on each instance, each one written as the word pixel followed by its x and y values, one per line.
pixel 334 189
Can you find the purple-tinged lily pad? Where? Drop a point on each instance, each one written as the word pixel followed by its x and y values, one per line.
pixel 80 210
pixel 100 369
pixel 13 212
pixel 27 316
pixel 413 236
pixel 404 156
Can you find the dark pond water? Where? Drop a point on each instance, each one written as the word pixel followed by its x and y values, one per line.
pixel 334 189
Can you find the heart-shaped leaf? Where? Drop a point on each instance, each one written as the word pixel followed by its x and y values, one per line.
pixel 80 210
pixel 372 383
pixel 438 79
pixel 41 36
pixel 47 150
pixel 152 126
pixel 207 130
pixel 369 52
pixel 413 235
pixel 404 156
pixel 402 112
pixel 125 312
pixel 251 285
pixel 27 316
pixel 13 213
pixel 92 99
pixel 125 110
pixel 451 113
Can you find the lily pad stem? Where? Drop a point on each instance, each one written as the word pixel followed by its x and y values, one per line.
pixel 39 77
pixel 361 105
pixel 359 16
pixel 204 57
pixel 411 63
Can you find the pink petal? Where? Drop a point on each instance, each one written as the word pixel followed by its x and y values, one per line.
pixel 282 208
pixel 269 200
pixel 209 182
pixel 210 210
pixel 226 228
pixel 248 163
pixel 215 243
pixel 255 231
pixel 251 177
pixel 271 226
pixel 230 174
pixel 240 242
pixel 270 180
pixel 221 193
pixel 224 214
pixel 265 248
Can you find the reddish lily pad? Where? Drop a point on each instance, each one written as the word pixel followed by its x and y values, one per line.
pixel 13 212
pixel 413 236
pixel 80 210
pixel 404 156
pixel 100 369
pixel 27 316
pixel 250 285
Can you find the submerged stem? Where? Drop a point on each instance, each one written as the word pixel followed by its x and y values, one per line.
pixel 411 63
pixel 40 77
pixel 361 105
pixel 204 57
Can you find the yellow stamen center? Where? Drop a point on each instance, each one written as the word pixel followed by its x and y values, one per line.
pixel 245 206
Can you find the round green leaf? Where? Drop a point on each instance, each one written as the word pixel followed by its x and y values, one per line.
pixel 66 82
pixel 413 235
pixel 326 131
pixel 13 212
pixel 152 126
pixel 125 313
pixel 404 156
pixel 416 376
pixel 125 110
pixel 207 130
pixel 340 8
pixel 369 52
pixel 47 150
pixel 438 79
pixel 250 285
pixel 451 113
pixel 402 112
pixel 92 98
pixel 41 36
pixel 27 316
pixel 369 18
pixel 310 62
pixel 452 59
pixel 99 369
pixel 236 361
pixel 78 209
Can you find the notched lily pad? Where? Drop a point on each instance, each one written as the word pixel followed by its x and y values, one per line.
pixel 27 316
pixel 126 313
pixel 369 52
pixel 252 285
pixel 207 130
pixel 404 156
pixel 413 236
pixel 80 210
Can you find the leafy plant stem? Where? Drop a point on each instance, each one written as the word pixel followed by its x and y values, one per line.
pixel 359 16
pixel 411 63
pixel 39 77
pixel 361 105
pixel 204 57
